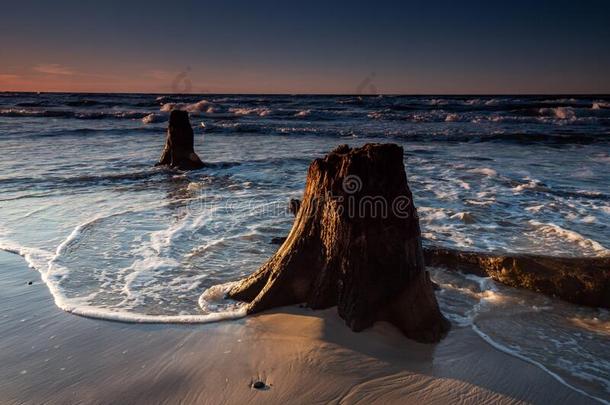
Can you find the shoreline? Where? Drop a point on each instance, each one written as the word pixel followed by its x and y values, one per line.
pixel 49 355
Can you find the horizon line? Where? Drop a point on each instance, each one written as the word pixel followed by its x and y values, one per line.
pixel 315 94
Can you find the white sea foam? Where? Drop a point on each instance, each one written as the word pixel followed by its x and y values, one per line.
pixel 486 171
pixel 588 219
pixel 143 273
pixel 432 213
pixel 535 208
pixel 160 240
pixel 202 106
pixel 303 113
pixel 452 117
pixel 562 113
pixel 489 201
pixel 132 317
pixel 600 105
pixel 376 115
pixel 482 293
pixel 35 258
pixel 465 217
pixel 167 107
pixel 195 186
pixel 551 229
pixel 213 300
pixel 530 184
pixel 221 241
pixel 261 112
pixel 463 184
pixel 152 118
pixel 32 213
pixel 484 283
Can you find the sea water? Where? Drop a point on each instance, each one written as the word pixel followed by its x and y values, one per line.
pixel 115 238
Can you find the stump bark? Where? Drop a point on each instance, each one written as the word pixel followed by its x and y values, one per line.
pixel 355 243
pixel 179 151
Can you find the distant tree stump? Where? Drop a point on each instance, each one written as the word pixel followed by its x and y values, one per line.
pixel 355 243
pixel 179 149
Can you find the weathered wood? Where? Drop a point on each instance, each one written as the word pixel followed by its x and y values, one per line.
pixel 347 248
pixel 179 149
pixel 580 280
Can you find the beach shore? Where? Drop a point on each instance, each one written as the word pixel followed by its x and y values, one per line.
pixel 303 356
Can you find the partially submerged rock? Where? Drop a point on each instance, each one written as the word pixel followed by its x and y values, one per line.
pixel 369 263
pixel 278 240
pixel 580 280
pixel 179 149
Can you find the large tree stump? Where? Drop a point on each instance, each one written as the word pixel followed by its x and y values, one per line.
pixel 579 280
pixel 355 243
pixel 179 151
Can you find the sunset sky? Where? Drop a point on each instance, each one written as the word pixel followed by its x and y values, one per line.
pixel 413 47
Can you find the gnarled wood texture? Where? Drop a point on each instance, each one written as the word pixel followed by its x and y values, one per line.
pixel 355 243
pixel 580 280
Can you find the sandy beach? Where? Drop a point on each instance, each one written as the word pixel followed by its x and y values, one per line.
pixel 304 356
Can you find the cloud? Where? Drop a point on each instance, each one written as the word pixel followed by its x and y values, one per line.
pixel 54 69
pixel 8 77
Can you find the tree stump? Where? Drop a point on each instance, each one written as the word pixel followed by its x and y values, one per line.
pixel 179 150
pixel 355 243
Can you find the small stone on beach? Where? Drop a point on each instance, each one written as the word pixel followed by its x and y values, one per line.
pixel 259 385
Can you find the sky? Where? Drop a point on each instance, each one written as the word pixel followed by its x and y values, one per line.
pixel 337 47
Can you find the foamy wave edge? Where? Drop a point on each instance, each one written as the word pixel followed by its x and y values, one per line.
pixel 33 257
pixel 130 317
pixel 206 299
pixel 486 286
pixel 513 353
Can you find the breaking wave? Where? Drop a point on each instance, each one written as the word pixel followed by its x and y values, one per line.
pixel 83 115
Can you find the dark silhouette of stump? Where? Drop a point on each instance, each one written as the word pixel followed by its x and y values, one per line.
pixel 355 243
pixel 179 151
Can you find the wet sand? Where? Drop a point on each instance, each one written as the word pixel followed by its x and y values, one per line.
pixel 304 356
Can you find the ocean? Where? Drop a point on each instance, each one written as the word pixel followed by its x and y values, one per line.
pixel 115 238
